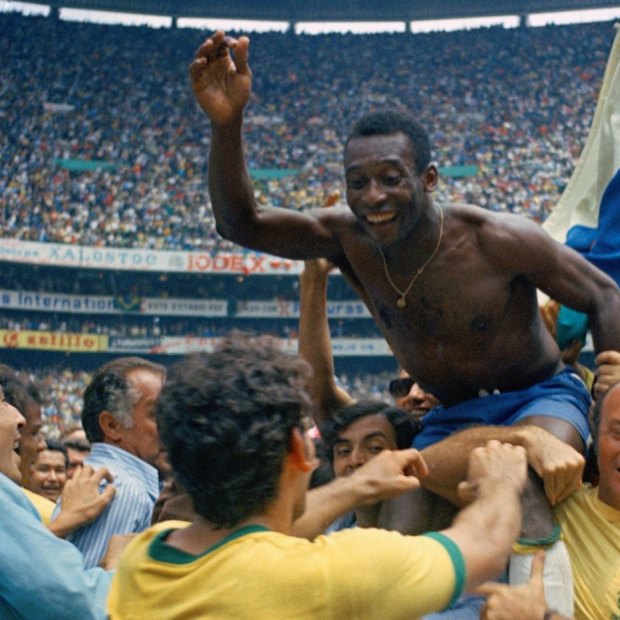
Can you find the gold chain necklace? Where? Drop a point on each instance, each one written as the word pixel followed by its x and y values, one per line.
pixel 400 302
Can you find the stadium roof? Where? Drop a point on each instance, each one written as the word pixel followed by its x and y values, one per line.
pixel 333 10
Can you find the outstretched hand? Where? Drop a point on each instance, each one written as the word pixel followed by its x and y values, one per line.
pixel 221 84
pixel 391 473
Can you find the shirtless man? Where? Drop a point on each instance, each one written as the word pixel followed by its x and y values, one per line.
pixel 452 287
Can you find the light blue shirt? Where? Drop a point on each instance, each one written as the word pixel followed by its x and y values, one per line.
pixel 137 488
pixel 42 576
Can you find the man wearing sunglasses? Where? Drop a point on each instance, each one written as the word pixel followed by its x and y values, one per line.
pixel 409 395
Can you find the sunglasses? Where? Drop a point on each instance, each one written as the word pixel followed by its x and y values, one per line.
pixel 400 387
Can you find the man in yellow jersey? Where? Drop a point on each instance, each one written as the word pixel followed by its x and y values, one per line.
pixel 590 522
pixel 234 424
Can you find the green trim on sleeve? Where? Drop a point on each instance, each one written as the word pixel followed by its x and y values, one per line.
pixel 161 551
pixel 460 570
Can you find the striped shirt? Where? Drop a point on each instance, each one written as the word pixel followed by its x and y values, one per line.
pixel 137 488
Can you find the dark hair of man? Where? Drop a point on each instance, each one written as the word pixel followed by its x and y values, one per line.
pixel 324 473
pixel 79 445
pixel 389 122
pixel 56 446
pixel 226 420
pixel 109 390
pixel 405 428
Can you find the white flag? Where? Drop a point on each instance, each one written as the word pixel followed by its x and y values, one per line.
pixel 578 207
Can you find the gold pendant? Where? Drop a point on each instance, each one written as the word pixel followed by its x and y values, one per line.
pixel 401 303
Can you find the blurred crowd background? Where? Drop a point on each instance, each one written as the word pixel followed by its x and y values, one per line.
pixel 101 144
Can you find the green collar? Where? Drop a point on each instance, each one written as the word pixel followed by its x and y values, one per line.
pixel 161 551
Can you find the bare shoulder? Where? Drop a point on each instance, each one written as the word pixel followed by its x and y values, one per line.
pixel 513 241
pixel 493 227
pixel 491 223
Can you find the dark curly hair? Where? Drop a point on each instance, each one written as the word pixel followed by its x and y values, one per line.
pixel 389 122
pixel 405 427
pixel 226 420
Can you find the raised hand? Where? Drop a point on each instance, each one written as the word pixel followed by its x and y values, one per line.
pixel 222 84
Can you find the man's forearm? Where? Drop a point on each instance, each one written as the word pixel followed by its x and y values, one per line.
pixel 327 503
pixel 486 529
pixel 230 185
pixel 315 344
pixel 447 460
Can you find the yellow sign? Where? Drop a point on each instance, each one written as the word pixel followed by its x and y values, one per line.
pixel 52 341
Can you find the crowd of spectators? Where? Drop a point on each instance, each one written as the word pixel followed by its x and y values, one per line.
pixel 514 103
pixel 62 390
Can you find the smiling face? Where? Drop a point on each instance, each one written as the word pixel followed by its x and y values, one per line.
pixel 49 474
pixel 32 440
pixel 384 189
pixel 608 449
pixel 411 397
pixel 11 424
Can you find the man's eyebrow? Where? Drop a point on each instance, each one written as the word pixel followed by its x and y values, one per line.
pixel 339 440
pixel 392 161
pixel 375 434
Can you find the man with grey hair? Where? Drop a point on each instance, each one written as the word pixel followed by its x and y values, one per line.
pixel 119 423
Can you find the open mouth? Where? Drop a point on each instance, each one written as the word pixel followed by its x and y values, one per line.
pixel 379 219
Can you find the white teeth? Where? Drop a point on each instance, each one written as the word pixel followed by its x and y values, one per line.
pixel 380 218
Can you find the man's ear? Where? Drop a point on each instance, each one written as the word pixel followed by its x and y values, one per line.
pixel 299 453
pixel 430 178
pixel 110 427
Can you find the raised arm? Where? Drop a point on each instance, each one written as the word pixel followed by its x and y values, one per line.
pixel 315 344
pixel 222 86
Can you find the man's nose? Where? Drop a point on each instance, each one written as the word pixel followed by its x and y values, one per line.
pixel 358 458
pixel 375 193
pixel 417 393
pixel 41 444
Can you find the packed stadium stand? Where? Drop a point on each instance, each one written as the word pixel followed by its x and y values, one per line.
pixel 108 241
